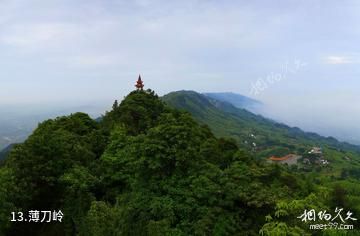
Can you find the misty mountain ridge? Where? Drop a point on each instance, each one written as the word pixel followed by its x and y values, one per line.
pixel 238 100
pixel 338 130
pixel 227 120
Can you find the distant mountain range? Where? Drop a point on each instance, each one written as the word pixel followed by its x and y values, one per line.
pixel 238 101
pixel 248 129
pixel 15 131
pixel 18 122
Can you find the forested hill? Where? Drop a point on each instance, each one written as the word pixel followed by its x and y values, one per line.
pixel 227 120
pixel 148 169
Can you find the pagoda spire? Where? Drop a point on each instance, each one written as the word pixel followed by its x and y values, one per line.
pixel 139 84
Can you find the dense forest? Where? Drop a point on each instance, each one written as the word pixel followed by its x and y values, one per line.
pixel 146 168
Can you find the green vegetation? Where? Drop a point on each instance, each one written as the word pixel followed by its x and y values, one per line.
pixel 148 169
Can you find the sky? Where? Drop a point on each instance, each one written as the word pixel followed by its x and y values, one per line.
pixel 300 58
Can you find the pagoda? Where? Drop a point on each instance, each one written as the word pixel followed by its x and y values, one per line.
pixel 139 84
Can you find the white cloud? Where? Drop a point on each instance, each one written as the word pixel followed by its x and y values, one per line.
pixel 36 35
pixel 336 60
pixel 94 60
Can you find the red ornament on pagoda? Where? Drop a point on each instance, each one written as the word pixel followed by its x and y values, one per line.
pixel 139 84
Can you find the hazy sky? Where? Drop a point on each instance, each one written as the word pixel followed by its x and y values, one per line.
pixel 301 58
